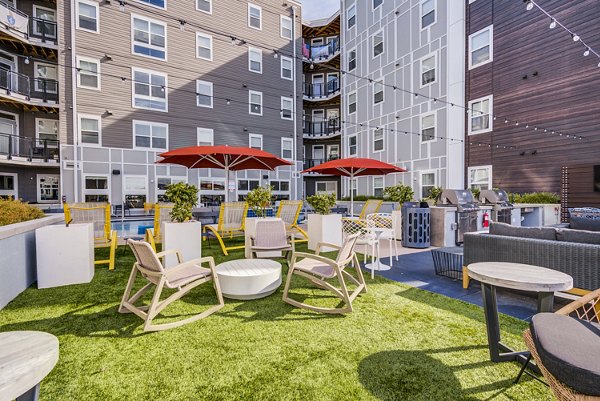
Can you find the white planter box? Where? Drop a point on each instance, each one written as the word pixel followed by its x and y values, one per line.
pixel 184 237
pixel 397 221
pixel 65 255
pixel 249 231
pixel 324 228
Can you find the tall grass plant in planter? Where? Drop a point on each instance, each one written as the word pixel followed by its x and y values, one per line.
pixel 182 233
pixel 322 225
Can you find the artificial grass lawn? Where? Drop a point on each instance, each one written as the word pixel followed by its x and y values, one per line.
pixel 400 343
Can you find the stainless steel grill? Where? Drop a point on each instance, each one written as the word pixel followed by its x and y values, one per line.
pixel 498 200
pixel 466 210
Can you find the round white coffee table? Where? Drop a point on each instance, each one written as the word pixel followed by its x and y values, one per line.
pixel 249 278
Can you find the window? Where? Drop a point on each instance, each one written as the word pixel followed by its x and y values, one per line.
pixel 48 188
pixel 156 3
pixel 428 70
pixel 248 185
pixel 352 145
pixel 45 23
pixel 46 130
pixel 377 3
pixel 204 6
pixel 204 90
pixel 428 182
pixel 8 185
pixel 255 100
pixel 378 184
pixel 326 187
pixel 479 117
pixel 162 183
pixel 287 146
pixel 255 60
pixel 428 128
pixel 377 44
pixel 204 46
pixel 287 106
pixel 89 129
pixel 481 47
pixel 286 27
pixel 427 13
pixel 88 73
pixel 254 16
pixel 280 186
pixel 149 135
pixel 136 189
pixel 205 137
pixel 378 140
pixel 377 92
pixel 96 188
pixel 286 68
pixel 256 141
pixel 149 90
pixel 480 177
pixel 149 38
pixel 352 103
pixel 46 78
pixel 212 185
pixel 87 16
pixel 352 60
pixel 351 16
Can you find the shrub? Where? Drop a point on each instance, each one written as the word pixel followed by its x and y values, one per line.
pixel 15 211
pixel 399 193
pixel 476 192
pixel 435 194
pixel 535 197
pixel 322 203
pixel 259 199
pixel 184 197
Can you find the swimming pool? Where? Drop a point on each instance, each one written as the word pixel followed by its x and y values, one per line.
pixel 132 228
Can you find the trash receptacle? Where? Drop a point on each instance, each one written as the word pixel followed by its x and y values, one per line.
pixel 416 231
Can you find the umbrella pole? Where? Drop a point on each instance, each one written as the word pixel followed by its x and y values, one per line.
pixel 351 195
pixel 227 183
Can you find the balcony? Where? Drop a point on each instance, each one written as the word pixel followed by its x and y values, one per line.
pixel 22 150
pixel 322 91
pixel 322 53
pixel 322 129
pixel 15 24
pixel 308 163
pixel 25 89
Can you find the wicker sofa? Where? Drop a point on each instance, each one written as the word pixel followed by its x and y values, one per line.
pixel 525 245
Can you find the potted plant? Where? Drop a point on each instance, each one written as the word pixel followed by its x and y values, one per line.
pixel 182 233
pixel 434 196
pixel 259 199
pixel 399 193
pixel 322 225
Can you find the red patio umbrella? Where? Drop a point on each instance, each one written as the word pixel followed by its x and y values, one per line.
pixel 354 167
pixel 228 158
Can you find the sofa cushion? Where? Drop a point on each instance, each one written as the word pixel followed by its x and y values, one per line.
pixel 547 233
pixel 569 350
pixel 578 236
pixel 584 223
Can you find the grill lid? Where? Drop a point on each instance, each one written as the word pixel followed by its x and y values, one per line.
pixel 496 197
pixel 461 198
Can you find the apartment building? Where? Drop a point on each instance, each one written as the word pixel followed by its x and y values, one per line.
pixel 321 124
pixel 29 106
pixel 416 46
pixel 146 76
pixel 538 88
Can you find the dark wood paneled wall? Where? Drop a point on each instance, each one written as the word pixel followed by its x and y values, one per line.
pixel 578 186
pixel 564 95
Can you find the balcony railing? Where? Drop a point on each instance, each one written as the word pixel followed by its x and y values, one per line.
pixel 322 128
pixel 28 148
pixel 308 163
pixel 20 24
pixel 317 91
pixel 321 52
pixel 31 88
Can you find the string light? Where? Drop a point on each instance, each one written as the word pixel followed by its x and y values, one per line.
pixel 552 24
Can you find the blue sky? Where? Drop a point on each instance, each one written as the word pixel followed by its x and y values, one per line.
pixel 315 9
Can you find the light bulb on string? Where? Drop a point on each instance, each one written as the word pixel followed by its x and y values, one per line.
pixel 552 24
pixel 575 37
pixel 586 52
pixel 529 6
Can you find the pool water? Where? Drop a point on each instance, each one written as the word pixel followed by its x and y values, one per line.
pixel 135 228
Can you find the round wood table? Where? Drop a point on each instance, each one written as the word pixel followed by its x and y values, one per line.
pixel 249 278
pixel 514 276
pixel 26 357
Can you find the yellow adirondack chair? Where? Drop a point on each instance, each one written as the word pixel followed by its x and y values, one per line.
pixel 232 219
pixel 289 211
